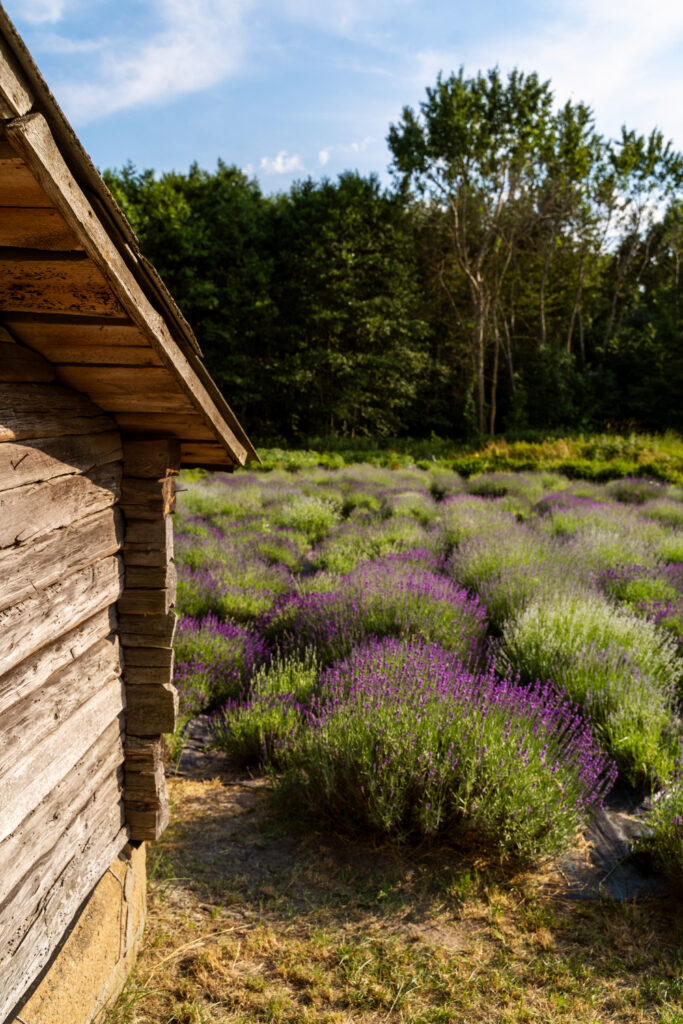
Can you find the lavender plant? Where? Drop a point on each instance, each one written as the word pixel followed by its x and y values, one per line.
pixel 392 596
pixel 405 740
pixel 621 669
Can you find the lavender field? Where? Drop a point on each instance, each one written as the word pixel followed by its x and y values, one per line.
pixel 417 655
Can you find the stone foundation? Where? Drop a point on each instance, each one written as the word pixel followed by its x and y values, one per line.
pixel 90 968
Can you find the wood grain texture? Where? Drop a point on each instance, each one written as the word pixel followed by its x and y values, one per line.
pixel 29 411
pixel 147 630
pixel 148 542
pixel 58 908
pixel 20 364
pixel 41 619
pixel 34 671
pixel 45 458
pixel 36 229
pixel 31 136
pixel 146 602
pixel 151 708
pixel 147 499
pixel 28 569
pixel 145 795
pixel 14 89
pixel 121 388
pixel 180 425
pixel 154 459
pixel 27 781
pixel 148 657
pixel 40 829
pixel 30 720
pixel 55 285
pixel 152 576
pixel 33 510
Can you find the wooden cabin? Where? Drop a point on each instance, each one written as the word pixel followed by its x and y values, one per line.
pixel 103 397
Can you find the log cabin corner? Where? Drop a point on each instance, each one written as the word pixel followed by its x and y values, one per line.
pixel 103 397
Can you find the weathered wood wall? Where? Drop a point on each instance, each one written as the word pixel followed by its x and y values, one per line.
pixel 62 696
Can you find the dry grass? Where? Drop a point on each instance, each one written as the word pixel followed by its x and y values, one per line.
pixel 252 921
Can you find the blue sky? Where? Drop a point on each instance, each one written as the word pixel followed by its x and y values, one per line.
pixel 291 88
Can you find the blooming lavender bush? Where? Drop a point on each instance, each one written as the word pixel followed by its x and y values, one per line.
pixel 392 596
pixel 214 662
pixel 263 729
pixel 403 739
pixel 362 539
pixel 621 669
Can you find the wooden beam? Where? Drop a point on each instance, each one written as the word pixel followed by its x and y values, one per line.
pixel 30 721
pixel 146 602
pixel 36 509
pixel 147 630
pixel 151 708
pixel 30 568
pixel 58 909
pixel 147 499
pixel 47 410
pixel 118 388
pixel 28 626
pixel 179 425
pixel 31 228
pixel 49 457
pixel 14 91
pixel 148 542
pixel 31 136
pixel 55 285
pixel 146 799
pixel 36 835
pixel 32 673
pixel 154 459
pixel 197 453
pixel 29 780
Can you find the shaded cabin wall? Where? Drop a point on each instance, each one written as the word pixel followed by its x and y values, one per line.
pixel 62 696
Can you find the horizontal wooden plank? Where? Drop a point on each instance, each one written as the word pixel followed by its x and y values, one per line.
pixel 139 675
pixel 94 811
pixel 154 458
pixel 118 388
pixel 46 458
pixel 35 509
pixel 147 630
pixel 28 626
pixel 30 568
pixel 35 836
pixel 152 577
pixel 209 456
pixel 140 601
pixel 18 363
pixel 36 229
pixel 34 671
pixel 31 720
pixel 18 187
pixel 55 285
pixel 151 709
pixel 98 356
pixel 148 657
pixel 29 411
pixel 58 908
pixel 153 424
pixel 154 552
pixel 28 781
pixel 147 499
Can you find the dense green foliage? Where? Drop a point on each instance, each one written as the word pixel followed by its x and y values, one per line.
pixel 523 273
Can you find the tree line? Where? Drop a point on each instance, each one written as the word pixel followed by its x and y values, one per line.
pixel 523 272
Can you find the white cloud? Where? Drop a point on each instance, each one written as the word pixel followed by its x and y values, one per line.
pixel 324 156
pixel 283 163
pixel 622 57
pixel 40 12
pixel 198 44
